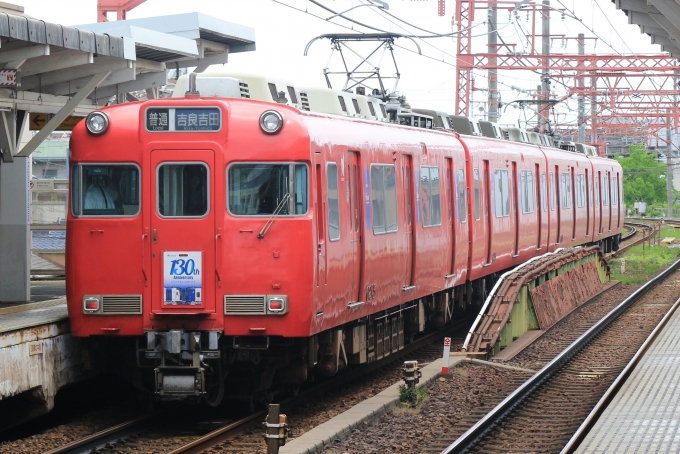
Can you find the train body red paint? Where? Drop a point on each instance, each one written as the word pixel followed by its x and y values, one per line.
pixel 384 228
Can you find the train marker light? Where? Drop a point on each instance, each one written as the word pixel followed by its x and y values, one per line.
pixel 90 304
pixel 271 122
pixel 97 122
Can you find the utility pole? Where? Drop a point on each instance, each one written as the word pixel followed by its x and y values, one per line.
pixel 581 101
pixel 492 48
pixel 669 168
pixel 545 81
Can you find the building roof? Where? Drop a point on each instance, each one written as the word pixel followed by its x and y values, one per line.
pixel 660 19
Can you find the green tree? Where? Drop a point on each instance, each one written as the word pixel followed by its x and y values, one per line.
pixel 644 178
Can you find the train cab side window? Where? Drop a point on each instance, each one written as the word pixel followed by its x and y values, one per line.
pixel 430 196
pixel 544 198
pixel 477 195
pixel 333 202
pixel 258 189
pixel 527 191
pixel 501 193
pixel 384 198
pixel 553 194
pixel 462 199
pixel 105 190
pixel 182 190
pixel 565 190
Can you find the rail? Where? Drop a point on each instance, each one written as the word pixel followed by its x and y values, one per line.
pixel 492 418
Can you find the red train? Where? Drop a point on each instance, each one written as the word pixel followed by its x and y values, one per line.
pixel 244 244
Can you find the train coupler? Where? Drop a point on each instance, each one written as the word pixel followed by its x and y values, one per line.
pixel 177 383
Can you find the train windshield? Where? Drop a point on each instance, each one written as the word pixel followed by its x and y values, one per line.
pixel 105 190
pixel 258 189
pixel 183 190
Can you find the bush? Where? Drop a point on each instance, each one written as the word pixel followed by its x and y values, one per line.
pixel 411 396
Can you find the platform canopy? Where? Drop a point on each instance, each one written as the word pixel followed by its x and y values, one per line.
pixel 660 19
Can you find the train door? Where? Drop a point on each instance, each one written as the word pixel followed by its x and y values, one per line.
pixel 538 206
pixel 574 189
pixel 487 210
pixel 355 221
pixel 410 210
pixel 183 231
pixel 608 191
pixel 515 186
pixel 599 205
pixel 589 203
pixel 558 204
pixel 320 213
pixel 451 214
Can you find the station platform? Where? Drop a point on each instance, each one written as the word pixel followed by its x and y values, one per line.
pixel 38 355
pixel 644 415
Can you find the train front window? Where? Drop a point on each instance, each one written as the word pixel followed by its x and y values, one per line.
pixel 105 190
pixel 258 189
pixel 183 190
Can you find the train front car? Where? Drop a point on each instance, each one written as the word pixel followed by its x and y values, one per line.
pixel 185 211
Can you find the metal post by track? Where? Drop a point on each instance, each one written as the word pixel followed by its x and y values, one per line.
pixel 276 429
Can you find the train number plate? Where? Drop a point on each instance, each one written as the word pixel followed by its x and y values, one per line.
pixel 182 283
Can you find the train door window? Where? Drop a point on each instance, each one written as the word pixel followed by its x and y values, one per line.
pixel 462 199
pixel 407 193
pixel 553 194
pixel 257 189
pixel 343 106
pixel 105 190
pixel 293 96
pixel 501 193
pixel 430 196
pixel 333 202
pixel 182 190
pixel 615 190
pixel 384 198
pixel 371 108
pixel 355 191
pixel 449 195
pixel 544 197
pixel 580 191
pixel 356 106
pixel 527 191
pixel 565 190
pixel 605 187
pixel 477 195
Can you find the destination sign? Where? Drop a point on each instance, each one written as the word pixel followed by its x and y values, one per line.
pixel 183 119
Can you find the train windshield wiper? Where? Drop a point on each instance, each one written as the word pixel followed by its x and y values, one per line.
pixel 276 212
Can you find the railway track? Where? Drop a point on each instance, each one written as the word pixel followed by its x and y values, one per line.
pixel 637 234
pixel 546 410
pixel 154 430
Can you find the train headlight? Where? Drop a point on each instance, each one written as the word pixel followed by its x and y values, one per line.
pixel 271 122
pixel 97 122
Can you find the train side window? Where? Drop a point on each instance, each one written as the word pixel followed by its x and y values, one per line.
pixel 544 198
pixel 343 106
pixel 553 194
pixel 501 193
pixel 291 93
pixel 257 189
pixel 527 191
pixel 384 198
pixel 477 196
pixel 565 190
pixel 430 196
pixel 462 199
pixel 105 190
pixel 382 109
pixel 273 92
pixel 182 190
pixel 333 202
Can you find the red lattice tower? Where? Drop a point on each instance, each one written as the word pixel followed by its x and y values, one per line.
pixel 465 15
